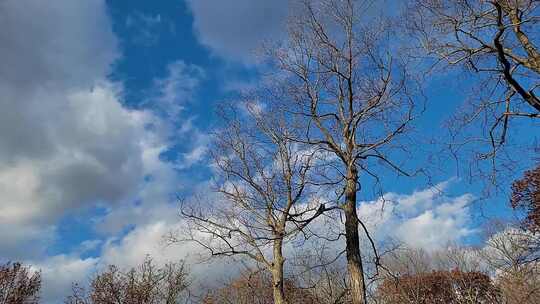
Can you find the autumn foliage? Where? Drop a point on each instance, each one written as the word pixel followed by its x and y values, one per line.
pixel 439 287
pixel 526 197
pixel 18 284
pixel 256 288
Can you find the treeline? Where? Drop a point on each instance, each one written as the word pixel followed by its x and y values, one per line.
pixel 506 270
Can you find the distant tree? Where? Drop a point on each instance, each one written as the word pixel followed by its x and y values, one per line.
pixel 520 287
pixel 526 197
pixel 146 284
pixel 450 287
pixel 453 275
pixel 19 284
pixel 255 288
pixel 322 273
pixel 513 260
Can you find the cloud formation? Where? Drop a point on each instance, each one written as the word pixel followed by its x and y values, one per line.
pixel 426 219
pixel 57 151
pixel 67 141
pixel 59 273
pixel 234 29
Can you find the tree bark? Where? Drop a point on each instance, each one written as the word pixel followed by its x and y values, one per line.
pixel 277 274
pixel 354 258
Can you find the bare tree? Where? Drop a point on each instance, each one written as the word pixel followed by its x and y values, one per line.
pixel 18 284
pixel 338 76
pixel 508 255
pixel 497 42
pixel 495 37
pixel 520 287
pixel 263 185
pixel 146 284
pixel 319 271
pixel 255 288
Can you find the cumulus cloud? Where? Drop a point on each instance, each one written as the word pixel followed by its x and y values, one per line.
pixel 68 143
pixel 150 240
pixel 426 219
pixel 234 29
pixel 70 44
pixel 67 140
pixel 61 125
pixel 59 272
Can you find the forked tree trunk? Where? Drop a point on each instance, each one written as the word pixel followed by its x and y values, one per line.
pixel 277 274
pixel 354 258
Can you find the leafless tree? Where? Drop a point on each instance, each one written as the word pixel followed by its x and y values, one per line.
pixel 338 76
pixel 255 288
pixel 321 272
pixel 146 284
pixel 515 267
pixel 497 41
pixel 520 287
pixel 19 284
pixel 263 191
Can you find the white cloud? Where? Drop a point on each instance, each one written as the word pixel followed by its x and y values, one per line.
pixel 95 155
pixel 63 43
pixel 69 143
pixel 60 272
pixel 174 90
pixel 198 150
pixel 67 140
pixel 149 239
pixel 426 219
pixel 143 240
pixel 234 29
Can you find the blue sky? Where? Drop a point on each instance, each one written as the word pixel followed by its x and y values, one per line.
pixel 107 116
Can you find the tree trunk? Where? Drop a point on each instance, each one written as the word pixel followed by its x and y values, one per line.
pixel 277 274
pixel 354 258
